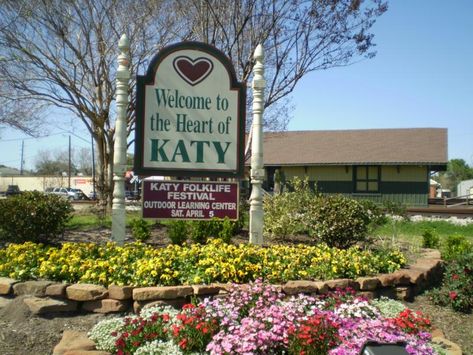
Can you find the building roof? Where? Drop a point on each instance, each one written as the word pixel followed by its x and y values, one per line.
pixel 6 171
pixel 409 146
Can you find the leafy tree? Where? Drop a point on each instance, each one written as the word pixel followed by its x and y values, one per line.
pixel 63 53
pixel 457 171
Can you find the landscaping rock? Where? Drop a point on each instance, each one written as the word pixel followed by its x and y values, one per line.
pixel 176 303
pixel 368 294
pixel 342 283
pixel 398 278
pixel 161 292
pixel 106 306
pixel 6 285
pixel 4 302
pixel 57 290
pixel 436 332
pixel 120 292
pixel 33 288
pixel 86 292
pixel 415 275
pixel 368 283
pixel 205 290
pixel 39 305
pixel 300 286
pixel 449 347
pixel 73 340
pixel 404 293
pixel 223 287
pixel 431 254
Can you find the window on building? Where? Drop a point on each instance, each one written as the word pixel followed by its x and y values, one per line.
pixel 367 178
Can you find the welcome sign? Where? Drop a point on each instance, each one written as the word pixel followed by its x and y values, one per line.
pixel 190 114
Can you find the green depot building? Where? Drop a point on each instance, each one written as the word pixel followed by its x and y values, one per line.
pixel 374 164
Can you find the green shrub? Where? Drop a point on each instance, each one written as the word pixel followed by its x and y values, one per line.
pixel 227 229
pixel 456 245
pixel 395 208
pixel 339 221
pixel 33 216
pixel 375 213
pixel 457 286
pixel 201 231
pixel 430 239
pixel 336 220
pixel 178 231
pixel 287 213
pixel 140 229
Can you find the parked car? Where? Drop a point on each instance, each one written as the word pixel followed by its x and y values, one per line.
pixel 65 192
pixel 12 190
pixel 80 194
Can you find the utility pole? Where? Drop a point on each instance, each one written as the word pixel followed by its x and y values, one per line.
pixel 22 155
pixel 69 165
pixel 257 170
pixel 119 157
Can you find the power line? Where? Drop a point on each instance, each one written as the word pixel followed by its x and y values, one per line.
pixel 30 138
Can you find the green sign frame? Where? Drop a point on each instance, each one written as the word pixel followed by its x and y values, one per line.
pixel 209 57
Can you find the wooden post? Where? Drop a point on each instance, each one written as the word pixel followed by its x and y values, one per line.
pixel 119 155
pixel 257 170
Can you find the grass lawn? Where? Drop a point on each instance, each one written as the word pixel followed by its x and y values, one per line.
pixel 412 231
pixel 86 220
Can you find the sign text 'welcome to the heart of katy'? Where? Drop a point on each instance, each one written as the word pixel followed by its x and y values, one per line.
pixel 190 114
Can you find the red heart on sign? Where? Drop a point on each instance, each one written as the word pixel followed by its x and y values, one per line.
pixel 193 71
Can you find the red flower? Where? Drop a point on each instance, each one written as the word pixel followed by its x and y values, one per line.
pixel 183 343
pixel 455 277
pixel 453 295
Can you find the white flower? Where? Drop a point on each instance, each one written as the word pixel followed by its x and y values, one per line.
pixel 101 334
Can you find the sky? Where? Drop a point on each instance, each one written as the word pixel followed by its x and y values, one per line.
pixel 422 76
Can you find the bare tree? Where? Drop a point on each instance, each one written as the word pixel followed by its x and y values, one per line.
pixel 63 53
pixel 21 114
pixel 299 37
pixel 55 163
pixel 83 160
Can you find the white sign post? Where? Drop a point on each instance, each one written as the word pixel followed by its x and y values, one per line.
pixel 257 170
pixel 119 157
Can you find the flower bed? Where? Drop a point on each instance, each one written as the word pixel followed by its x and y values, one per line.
pixel 137 264
pixel 258 319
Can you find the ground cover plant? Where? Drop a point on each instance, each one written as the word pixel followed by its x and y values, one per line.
pixel 139 264
pixel 256 319
pixel 456 290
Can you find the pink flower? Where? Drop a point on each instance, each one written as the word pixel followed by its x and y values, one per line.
pixel 453 295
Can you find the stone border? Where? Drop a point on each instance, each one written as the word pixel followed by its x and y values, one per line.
pixel 50 297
